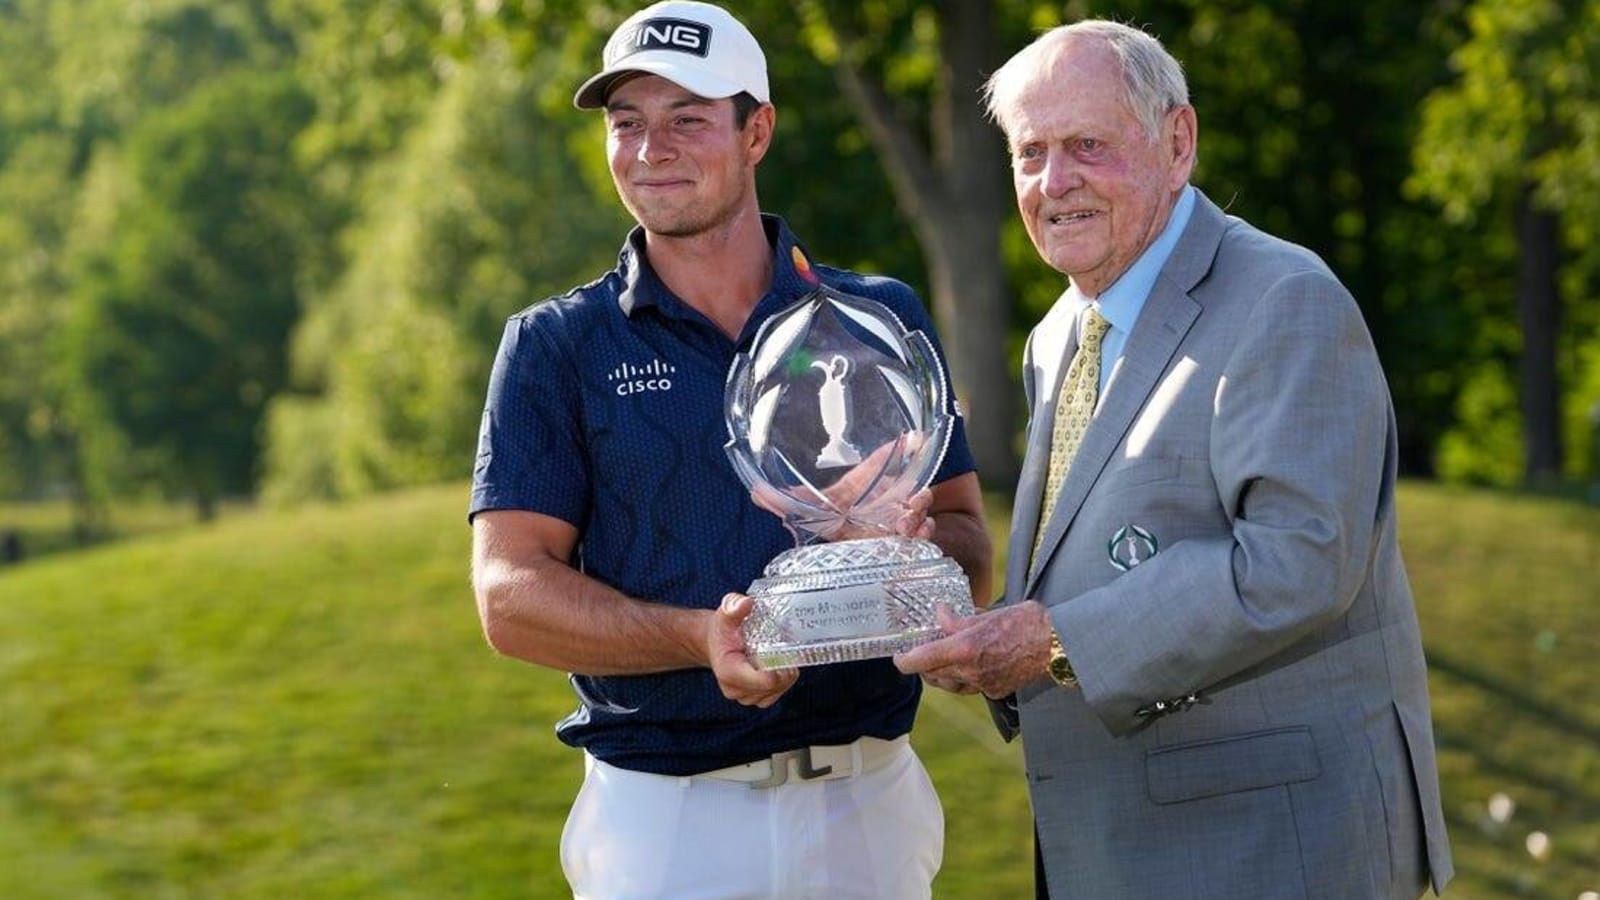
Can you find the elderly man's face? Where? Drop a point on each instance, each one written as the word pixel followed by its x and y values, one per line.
pixel 1093 189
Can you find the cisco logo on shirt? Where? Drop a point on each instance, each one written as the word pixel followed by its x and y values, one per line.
pixel 632 379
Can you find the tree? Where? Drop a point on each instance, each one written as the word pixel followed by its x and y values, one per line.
pixel 476 217
pixel 946 167
pixel 181 319
pixel 74 79
pixel 1514 144
pixel 36 191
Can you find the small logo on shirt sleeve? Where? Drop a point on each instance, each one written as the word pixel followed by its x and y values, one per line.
pixel 631 379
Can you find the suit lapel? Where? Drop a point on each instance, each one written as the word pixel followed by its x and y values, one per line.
pixel 1168 314
pixel 1035 469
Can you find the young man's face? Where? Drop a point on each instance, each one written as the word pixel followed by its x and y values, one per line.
pixel 1094 190
pixel 681 166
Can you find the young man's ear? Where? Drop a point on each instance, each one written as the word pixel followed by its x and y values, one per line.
pixel 758 131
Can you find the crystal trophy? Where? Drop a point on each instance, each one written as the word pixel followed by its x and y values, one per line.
pixel 836 417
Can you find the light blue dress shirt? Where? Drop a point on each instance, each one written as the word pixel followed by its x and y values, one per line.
pixel 1122 302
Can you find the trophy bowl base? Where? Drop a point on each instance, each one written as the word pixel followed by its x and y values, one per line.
pixel 851 600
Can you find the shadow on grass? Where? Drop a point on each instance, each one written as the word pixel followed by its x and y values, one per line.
pixel 1514 697
pixel 1503 885
pixel 1497 859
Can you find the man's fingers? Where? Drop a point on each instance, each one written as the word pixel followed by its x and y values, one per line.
pixel 920 502
pixel 948 683
pixel 735 607
pixel 915 525
pixel 783 679
pixel 929 656
pixel 768 499
pixel 944 652
pixel 911 662
pixel 759 688
pixel 913 520
pixel 950 622
pixel 737 675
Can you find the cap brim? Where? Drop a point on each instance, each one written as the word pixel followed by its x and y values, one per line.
pixel 592 93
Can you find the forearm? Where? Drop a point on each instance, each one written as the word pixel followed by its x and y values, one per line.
pixel 956 509
pixel 964 538
pixel 547 613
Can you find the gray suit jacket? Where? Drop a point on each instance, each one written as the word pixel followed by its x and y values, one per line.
pixel 1247 437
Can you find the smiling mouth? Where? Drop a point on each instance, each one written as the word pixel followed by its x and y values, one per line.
pixel 1069 218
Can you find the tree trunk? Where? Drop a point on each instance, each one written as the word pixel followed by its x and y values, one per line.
pixel 1538 305
pixel 88 498
pixel 954 198
pixel 205 501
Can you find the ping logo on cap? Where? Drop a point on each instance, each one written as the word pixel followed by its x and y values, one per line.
pixel 681 35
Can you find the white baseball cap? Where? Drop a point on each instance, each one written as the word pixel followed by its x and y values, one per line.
pixel 697 46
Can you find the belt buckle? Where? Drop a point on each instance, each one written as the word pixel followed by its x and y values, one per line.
pixel 780 768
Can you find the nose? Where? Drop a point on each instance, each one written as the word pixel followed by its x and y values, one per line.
pixel 655 147
pixel 1060 173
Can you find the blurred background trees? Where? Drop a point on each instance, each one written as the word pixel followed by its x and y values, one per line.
pixel 1511 148
pixel 264 247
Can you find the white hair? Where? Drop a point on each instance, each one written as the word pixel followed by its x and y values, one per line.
pixel 1152 78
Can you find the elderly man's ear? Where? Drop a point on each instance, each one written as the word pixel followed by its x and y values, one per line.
pixel 1183 131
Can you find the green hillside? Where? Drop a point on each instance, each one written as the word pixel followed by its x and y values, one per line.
pixel 300 705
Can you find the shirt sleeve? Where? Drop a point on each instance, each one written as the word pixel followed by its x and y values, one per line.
pixel 531 453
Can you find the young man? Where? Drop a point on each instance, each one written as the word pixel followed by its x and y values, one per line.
pixel 609 526
pixel 1207 627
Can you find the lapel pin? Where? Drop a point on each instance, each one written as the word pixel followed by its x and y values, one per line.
pixel 1130 546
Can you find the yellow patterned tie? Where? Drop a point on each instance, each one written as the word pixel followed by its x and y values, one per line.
pixel 1074 408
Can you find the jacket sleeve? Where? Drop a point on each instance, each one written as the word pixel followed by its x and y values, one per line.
pixel 1296 451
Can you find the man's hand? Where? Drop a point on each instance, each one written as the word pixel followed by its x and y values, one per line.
pixel 868 499
pixel 738 677
pixel 913 521
pixel 994 652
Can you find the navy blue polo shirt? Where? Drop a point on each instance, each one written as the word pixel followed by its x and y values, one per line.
pixel 605 411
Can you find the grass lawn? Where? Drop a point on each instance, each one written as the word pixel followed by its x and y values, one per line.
pixel 42 529
pixel 300 705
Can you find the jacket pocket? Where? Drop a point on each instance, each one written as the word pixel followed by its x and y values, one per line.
pixel 1245 762
pixel 1142 470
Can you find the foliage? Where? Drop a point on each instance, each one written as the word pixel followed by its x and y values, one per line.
pixel 37 192
pixel 178 334
pixel 1523 111
pixel 477 217
pixel 301 704
pixel 1487 446
pixel 428 176
pixel 76 78
pixel 1307 116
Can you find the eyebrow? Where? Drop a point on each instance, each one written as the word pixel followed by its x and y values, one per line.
pixel 676 104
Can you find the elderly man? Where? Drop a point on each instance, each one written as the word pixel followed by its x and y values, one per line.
pixel 608 524
pixel 1207 635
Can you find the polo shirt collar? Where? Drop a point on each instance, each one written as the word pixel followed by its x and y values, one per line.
pixel 641 288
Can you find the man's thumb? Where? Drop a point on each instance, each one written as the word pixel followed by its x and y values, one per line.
pixel 735 607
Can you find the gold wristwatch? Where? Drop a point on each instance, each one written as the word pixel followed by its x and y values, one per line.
pixel 1060 668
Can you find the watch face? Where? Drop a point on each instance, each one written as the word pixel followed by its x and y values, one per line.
pixel 1061 670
